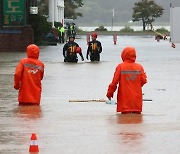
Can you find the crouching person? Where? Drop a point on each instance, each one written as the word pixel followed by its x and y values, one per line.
pixel 28 75
pixel 130 77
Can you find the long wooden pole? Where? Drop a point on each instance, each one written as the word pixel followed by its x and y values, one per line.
pixel 97 100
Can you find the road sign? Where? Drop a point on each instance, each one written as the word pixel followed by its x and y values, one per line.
pixel 13 12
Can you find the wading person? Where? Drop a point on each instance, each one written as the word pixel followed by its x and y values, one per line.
pixel 94 48
pixel 70 51
pixel 130 78
pixel 28 75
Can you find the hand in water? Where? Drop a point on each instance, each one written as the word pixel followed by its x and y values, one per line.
pixel 111 102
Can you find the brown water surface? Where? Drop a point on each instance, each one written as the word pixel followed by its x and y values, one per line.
pixel 64 127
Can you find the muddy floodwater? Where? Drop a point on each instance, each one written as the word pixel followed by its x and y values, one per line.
pixel 64 127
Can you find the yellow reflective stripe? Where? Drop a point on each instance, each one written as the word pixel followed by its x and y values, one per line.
pixel 94 46
pixel 72 49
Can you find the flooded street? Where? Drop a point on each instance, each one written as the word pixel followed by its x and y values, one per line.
pixel 64 127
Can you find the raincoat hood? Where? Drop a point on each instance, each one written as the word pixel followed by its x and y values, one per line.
pixel 33 51
pixel 129 54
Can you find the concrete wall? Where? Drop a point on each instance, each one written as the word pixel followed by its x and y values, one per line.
pixel 16 39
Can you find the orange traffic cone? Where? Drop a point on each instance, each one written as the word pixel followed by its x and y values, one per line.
pixel 33 146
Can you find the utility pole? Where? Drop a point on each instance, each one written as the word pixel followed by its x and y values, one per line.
pixel 112 19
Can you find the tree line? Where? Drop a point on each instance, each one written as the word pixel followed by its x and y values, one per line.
pixel 144 10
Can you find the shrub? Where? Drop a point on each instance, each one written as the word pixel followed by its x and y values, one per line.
pixel 162 30
pixel 40 26
pixel 101 28
pixel 127 29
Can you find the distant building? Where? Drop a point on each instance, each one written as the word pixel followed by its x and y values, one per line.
pixel 56 11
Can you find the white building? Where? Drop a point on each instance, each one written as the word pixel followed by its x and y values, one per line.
pixel 56 11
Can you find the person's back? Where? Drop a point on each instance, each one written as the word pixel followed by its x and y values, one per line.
pixel 131 77
pixel 27 78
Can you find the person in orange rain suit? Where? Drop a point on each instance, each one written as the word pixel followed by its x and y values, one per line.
pixel 28 75
pixel 131 77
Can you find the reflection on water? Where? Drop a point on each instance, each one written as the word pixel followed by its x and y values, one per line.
pixel 130 137
pixel 129 118
pixel 31 112
pixel 131 142
pixel 17 127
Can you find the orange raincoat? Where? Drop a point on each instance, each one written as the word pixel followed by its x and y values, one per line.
pixel 131 77
pixel 27 78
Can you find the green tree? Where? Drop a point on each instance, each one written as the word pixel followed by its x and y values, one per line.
pixel 40 26
pixel 43 7
pixel 146 11
pixel 70 8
